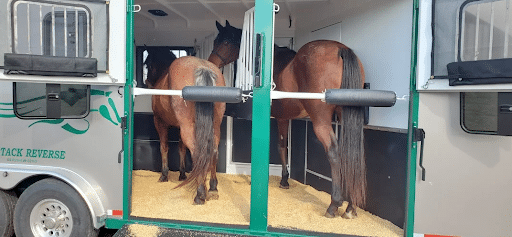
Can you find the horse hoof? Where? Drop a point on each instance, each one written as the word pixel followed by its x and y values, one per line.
pixel 163 179
pixel 349 215
pixel 182 177
pixel 199 201
pixel 284 184
pixel 213 195
pixel 329 215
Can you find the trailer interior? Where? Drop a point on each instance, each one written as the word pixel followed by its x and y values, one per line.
pixel 380 34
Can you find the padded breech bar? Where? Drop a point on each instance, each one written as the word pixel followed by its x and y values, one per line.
pixel 212 94
pixel 344 97
pixel 360 97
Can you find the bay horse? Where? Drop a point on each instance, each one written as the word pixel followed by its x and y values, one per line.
pixel 315 67
pixel 198 122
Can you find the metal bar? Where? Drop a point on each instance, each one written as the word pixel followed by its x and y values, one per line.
pixel 491 31
pixel 144 91
pixel 65 32
pixel 507 25
pixel 462 36
pixel 41 29
pixel 53 30
pixel 260 149
pixel 319 175
pixel 88 36
pixel 76 32
pixel 477 28
pixel 28 29
pixel 296 95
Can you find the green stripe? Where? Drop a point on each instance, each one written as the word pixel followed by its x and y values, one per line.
pixel 73 130
pixel 97 92
pixel 49 121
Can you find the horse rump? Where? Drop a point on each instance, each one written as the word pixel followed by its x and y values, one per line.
pixel 204 132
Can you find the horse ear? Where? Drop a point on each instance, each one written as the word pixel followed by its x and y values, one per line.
pixel 219 26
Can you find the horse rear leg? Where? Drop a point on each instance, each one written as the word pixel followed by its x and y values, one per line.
pixel 282 126
pixel 182 149
pixel 213 193
pixel 324 133
pixel 162 130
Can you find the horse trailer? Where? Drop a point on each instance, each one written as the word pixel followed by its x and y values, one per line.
pixel 80 154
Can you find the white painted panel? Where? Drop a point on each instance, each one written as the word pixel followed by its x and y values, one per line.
pixel 380 33
pixel 467 188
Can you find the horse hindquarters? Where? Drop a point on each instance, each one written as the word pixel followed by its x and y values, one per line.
pixel 204 150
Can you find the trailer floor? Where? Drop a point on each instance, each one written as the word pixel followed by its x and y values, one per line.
pixel 299 208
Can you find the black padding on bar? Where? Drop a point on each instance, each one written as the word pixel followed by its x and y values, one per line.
pixel 492 71
pixel 360 97
pixel 212 94
pixel 49 65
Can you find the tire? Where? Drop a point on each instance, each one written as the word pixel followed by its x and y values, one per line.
pixel 7 202
pixel 51 208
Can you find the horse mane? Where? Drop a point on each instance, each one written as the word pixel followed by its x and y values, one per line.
pixel 160 60
pixel 282 57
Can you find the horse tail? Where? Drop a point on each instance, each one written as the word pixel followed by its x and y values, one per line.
pixel 353 166
pixel 204 134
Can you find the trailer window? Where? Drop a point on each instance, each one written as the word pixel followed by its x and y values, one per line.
pixel 56 29
pixel 38 100
pixel 485 39
pixel 141 54
pixel 51 29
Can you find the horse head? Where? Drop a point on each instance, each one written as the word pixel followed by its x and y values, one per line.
pixel 226 45
pixel 157 61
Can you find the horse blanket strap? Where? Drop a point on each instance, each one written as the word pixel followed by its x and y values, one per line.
pixel 494 71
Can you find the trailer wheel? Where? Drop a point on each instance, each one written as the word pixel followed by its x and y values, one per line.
pixel 51 208
pixel 7 202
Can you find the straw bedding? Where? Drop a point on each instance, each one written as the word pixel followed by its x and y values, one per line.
pixel 301 207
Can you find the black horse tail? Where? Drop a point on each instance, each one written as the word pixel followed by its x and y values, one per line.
pixel 204 134
pixel 351 142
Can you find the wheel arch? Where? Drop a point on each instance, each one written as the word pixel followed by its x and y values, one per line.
pixel 19 179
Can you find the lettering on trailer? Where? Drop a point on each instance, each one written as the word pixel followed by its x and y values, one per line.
pixel 30 155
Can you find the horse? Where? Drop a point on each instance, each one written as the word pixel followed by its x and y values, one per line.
pixel 315 67
pixel 198 122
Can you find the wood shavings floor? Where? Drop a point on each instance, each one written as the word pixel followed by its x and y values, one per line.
pixel 301 207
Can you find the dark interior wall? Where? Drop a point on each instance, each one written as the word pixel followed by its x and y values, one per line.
pixel 146 146
pixel 386 165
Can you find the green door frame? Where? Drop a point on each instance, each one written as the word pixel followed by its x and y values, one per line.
pixel 264 25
